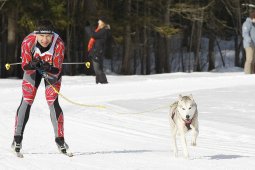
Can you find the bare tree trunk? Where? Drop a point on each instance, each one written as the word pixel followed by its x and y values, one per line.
pixel 222 58
pixel 183 50
pixel 197 45
pixel 72 41
pixel 237 51
pixel 127 42
pixel 161 53
pixel 146 58
pixel 68 38
pixel 3 45
pixel 91 6
pixel 11 39
pixel 238 27
pixel 211 57
pixel 127 51
pixel 190 68
pixel 158 52
pixel 233 8
pixel 145 52
pixel 74 45
pixel 137 42
pixel 167 64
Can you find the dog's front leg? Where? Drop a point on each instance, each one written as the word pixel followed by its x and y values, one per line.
pixel 184 144
pixel 194 135
pixel 174 132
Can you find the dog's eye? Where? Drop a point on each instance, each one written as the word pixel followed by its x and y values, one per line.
pixel 189 108
pixel 183 108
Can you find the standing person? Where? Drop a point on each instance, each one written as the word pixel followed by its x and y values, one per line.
pixel 96 48
pixel 248 33
pixel 42 53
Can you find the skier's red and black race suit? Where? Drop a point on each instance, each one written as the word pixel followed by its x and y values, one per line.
pixel 54 55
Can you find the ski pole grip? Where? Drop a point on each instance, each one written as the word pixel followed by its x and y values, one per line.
pixel 87 64
pixel 7 66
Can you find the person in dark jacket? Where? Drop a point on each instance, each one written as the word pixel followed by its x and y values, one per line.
pixel 97 47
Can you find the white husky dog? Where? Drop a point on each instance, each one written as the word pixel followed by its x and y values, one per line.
pixel 183 117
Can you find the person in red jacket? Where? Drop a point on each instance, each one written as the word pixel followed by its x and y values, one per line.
pixel 42 53
pixel 97 46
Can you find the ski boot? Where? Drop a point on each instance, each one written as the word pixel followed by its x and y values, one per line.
pixel 62 146
pixel 17 145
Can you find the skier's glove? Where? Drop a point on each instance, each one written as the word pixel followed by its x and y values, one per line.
pixel 35 63
pixel 45 66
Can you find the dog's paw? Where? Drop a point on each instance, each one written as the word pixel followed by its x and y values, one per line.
pixel 193 144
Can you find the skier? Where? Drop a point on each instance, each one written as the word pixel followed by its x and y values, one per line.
pixel 42 53
pixel 97 46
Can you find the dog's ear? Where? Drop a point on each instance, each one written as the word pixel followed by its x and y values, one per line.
pixel 180 97
pixel 191 97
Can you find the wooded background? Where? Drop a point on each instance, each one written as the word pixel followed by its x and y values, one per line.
pixel 145 32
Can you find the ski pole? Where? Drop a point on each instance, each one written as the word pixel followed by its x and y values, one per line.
pixel 8 65
pixel 87 64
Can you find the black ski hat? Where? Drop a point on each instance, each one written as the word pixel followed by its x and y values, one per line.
pixel 44 27
pixel 104 19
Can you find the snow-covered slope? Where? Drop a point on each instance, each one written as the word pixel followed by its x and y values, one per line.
pixel 132 132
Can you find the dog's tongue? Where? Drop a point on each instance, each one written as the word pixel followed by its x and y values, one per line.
pixel 187 121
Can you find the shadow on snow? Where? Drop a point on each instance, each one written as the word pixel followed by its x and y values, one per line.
pixel 222 156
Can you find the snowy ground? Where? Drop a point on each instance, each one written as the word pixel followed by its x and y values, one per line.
pixel 123 136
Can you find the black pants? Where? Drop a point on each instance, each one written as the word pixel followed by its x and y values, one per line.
pixel 100 75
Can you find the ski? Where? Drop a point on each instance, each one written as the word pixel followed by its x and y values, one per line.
pixel 69 154
pixel 63 147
